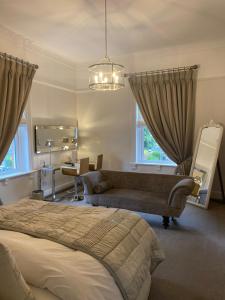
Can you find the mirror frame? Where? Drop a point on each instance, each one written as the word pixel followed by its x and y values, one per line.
pixel 36 127
pixel 210 124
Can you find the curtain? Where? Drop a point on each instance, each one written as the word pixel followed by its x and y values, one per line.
pixel 15 83
pixel 167 103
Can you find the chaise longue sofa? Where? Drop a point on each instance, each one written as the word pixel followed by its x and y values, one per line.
pixel 159 194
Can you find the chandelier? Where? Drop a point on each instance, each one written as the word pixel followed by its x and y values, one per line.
pixel 106 75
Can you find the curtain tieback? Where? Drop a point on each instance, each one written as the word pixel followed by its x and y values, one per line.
pixel 183 167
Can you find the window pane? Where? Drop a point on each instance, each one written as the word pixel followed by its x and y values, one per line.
pixel 152 151
pixel 17 158
pixel 23 148
pixel 139 115
pixel 147 149
pixel 9 162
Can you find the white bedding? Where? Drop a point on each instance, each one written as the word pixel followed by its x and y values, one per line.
pixel 65 273
pixel 42 294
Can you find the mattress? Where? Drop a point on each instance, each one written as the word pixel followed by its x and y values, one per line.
pixel 57 272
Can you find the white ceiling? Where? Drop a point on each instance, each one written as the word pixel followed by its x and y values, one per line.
pixel 75 28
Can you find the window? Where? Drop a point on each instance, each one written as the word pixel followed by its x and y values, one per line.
pixel 147 149
pixel 17 159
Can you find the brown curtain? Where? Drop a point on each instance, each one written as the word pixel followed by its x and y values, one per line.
pixel 167 104
pixel 15 83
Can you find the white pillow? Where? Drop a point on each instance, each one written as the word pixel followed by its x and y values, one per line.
pixel 12 283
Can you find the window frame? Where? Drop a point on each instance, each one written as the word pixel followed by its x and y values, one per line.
pixel 22 147
pixel 140 159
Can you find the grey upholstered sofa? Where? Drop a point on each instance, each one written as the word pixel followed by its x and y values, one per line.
pixel 159 194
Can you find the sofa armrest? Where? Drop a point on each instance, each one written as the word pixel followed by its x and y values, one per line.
pixel 90 180
pixel 178 195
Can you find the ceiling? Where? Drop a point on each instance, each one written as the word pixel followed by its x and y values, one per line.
pixel 74 29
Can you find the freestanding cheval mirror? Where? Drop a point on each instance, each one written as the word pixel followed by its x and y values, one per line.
pixel 205 161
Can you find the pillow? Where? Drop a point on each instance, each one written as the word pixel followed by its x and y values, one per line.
pixel 90 180
pixel 102 187
pixel 12 283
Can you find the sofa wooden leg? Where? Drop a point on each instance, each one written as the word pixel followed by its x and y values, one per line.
pixel 93 204
pixel 174 220
pixel 166 221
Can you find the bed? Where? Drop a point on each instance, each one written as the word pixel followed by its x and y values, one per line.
pixel 81 253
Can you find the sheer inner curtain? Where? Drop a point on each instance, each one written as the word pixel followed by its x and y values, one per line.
pixel 15 83
pixel 167 103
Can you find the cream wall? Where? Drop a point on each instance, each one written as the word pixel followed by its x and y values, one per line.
pixel 106 119
pixel 105 126
pixel 52 100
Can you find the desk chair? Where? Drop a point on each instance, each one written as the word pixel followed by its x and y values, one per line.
pixel 84 168
pixel 98 165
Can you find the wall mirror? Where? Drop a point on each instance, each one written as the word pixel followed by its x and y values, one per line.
pixel 205 161
pixel 55 138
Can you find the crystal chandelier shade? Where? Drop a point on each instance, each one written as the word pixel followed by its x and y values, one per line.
pixel 106 75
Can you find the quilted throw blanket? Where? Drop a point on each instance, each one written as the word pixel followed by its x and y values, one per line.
pixel 122 241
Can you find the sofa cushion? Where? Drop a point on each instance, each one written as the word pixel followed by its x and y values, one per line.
pixel 102 187
pixel 12 283
pixel 137 195
pixel 132 200
pixel 90 180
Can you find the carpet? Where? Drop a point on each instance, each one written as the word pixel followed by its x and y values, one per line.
pixel 194 268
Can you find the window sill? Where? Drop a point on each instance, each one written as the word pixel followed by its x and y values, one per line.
pixel 153 164
pixel 15 175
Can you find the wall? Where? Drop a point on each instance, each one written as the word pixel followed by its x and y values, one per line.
pixel 52 100
pixel 106 120
pixel 103 127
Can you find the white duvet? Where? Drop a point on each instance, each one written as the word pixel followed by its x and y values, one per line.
pixel 65 273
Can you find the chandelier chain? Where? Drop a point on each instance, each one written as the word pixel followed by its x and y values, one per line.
pixel 106 29
pixel 106 75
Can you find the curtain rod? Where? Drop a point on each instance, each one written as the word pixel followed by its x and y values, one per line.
pixel 10 57
pixel 162 71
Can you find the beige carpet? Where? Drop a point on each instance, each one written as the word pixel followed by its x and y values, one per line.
pixel 194 268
